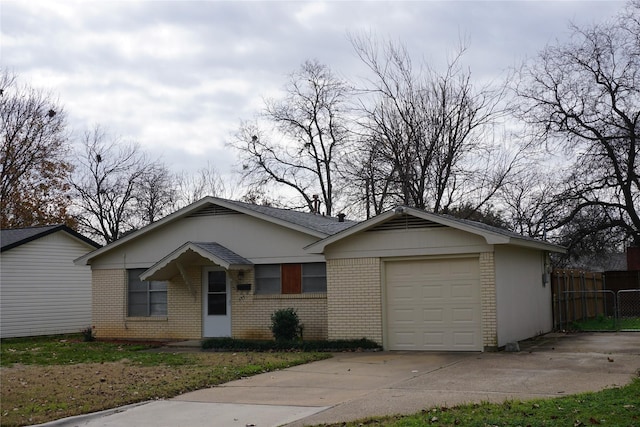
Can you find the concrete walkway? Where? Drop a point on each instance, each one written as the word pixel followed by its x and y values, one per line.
pixel 356 385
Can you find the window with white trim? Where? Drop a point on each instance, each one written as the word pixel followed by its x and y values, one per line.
pixel 146 298
pixel 290 278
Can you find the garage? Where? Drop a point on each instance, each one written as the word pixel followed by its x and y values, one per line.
pixel 417 281
pixel 433 304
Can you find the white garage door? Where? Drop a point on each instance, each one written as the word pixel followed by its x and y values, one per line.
pixel 434 305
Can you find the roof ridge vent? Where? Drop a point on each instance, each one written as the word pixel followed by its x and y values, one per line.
pixel 212 210
pixel 406 222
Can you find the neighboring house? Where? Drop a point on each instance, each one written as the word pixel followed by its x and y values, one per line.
pixel 407 279
pixel 42 292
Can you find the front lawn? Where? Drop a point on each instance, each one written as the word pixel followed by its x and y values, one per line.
pixel 602 323
pixel 44 379
pixel 618 407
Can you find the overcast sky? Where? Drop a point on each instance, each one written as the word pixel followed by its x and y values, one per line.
pixel 179 76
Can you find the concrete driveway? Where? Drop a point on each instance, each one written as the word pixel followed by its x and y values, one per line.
pixel 357 385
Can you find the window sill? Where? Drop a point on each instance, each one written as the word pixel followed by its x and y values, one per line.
pixel 310 295
pixel 147 319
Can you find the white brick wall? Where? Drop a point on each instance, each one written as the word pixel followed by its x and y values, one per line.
pixel 250 314
pixel 354 300
pixel 488 300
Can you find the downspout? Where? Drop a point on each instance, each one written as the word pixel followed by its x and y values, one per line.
pixel 126 290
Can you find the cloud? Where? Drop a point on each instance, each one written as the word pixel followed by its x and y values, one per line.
pixel 178 76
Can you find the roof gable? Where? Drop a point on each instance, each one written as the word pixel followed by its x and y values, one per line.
pixel 407 218
pixel 14 237
pixel 317 226
pixel 212 251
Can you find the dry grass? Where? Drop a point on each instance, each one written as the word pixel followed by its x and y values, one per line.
pixel 34 394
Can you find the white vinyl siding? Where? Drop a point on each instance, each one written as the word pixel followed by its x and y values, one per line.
pixel 524 302
pixel 42 292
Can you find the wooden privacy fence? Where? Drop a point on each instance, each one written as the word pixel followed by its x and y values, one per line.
pixel 579 295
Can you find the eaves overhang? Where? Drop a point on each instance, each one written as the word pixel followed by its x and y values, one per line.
pixel 188 210
pixel 491 235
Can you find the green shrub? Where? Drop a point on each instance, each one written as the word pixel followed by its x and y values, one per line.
pixel 87 334
pixel 285 325
pixel 231 344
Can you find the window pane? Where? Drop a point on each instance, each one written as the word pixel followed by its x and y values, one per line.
pixel 158 286
pixel 268 286
pixel 217 281
pixel 145 298
pixel 267 270
pixel 158 303
pixel 314 284
pixel 158 298
pixel 267 278
pixel 134 274
pixel 217 304
pixel 314 277
pixel 138 310
pixel 138 298
pixel 138 286
pixel 158 310
pixel 314 269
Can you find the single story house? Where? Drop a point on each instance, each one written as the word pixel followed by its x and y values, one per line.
pixel 407 279
pixel 42 292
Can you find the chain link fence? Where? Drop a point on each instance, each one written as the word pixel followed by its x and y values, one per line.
pixel 583 301
pixel 628 303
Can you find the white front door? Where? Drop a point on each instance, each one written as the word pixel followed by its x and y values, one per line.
pixel 216 297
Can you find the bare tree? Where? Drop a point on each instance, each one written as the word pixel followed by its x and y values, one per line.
pixel 157 195
pixel 310 131
pixel 425 133
pixel 528 203
pixel 371 176
pixel 34 157
pixel 109 183
pixel 206 181
pixel 583 97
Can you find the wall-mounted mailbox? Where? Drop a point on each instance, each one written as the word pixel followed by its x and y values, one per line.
pixel 244 287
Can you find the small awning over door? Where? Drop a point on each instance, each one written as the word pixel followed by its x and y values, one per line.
pixel 192 253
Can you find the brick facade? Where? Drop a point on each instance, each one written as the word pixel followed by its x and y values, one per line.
pixel 351 309
pixel 109 308
pixel 488 301
pixel 250 314
pixel 354 298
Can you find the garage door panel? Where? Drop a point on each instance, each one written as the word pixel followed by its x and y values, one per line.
pixel 403 293
pixel 430 291
pixel 433 339
pixel 400 316
pixel 464 339
pixel 463 315
pixel 432 315
pixel 467 291
pixel 405 339
pixel 433 305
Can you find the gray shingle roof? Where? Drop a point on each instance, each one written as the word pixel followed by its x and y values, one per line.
pixel 320 223
pixel 223 253
pixel 13 237
pixel 503 231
